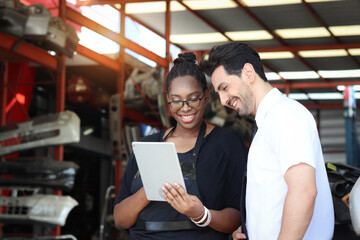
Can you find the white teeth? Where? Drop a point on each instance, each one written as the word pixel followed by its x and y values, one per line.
pixel 187 117
pixel 234 104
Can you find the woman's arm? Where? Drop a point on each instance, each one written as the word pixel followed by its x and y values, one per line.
pixel 226 220
pixel 127 211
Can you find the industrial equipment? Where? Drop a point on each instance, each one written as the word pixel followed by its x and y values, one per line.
pixel 52 129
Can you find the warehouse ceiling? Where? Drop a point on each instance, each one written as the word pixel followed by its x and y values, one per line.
pixel 308 47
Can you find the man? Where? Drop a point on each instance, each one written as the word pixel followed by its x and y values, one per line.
pixel 287 191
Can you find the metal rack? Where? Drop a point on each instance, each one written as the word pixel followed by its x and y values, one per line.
pixel 23 51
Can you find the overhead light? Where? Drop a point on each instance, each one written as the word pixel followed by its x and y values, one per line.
pixel 209 4
pixel 352 73
pixel 291 33
pixel 356 87
pixel 350 30
pixel 342 87
pixel 260 3
pixel 299 75
pixel 198 38
pixel 323 53
pixel 354 51
pixel 313 1
pixel 149 7
pixel 326 96
pixel 249 35
pixel 218 37
pixel 298 96
pixel 72 1
pixel 271 76
pixel 52 53
pixel 88 131
pixel 276 55
pixel 160 6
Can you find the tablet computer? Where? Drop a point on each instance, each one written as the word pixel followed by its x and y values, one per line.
pixel 158 163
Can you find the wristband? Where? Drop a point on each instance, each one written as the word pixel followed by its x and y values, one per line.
pixel 208 220
pixel 202 219
pixel 206 216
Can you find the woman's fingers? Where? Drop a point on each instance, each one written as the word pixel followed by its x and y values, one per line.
pixel 180 189
pixel 172 192
pixel 168 196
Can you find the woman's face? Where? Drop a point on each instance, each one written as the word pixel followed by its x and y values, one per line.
pixel 187 88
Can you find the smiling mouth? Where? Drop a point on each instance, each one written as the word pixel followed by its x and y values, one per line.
pixel 232 102
pixel 188 116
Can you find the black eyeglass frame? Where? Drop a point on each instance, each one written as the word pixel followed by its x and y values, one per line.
pixel 186 101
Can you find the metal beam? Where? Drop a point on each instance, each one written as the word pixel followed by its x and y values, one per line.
pixel 322 23
pixel 306 85
pixel 97 57
pixel 110 2
pixel 124 42
pixel 324 106
pixel 28 51
pixel 276 37
pixel 308 47
pixel 300 47
pixel 205 20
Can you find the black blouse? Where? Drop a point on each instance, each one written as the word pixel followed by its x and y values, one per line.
pixel 219 169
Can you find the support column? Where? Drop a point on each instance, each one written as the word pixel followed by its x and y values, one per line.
pixel 3 91
pixel 120 91
pixel 352 149
pixel 60 99
pixel 167 48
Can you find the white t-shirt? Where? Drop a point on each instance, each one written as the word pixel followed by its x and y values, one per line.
pixel 287 135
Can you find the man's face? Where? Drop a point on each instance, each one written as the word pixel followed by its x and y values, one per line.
pixel 233 91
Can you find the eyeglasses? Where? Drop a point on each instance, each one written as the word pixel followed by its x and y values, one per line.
pixel 193 103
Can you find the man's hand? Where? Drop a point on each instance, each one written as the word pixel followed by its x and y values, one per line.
pixel 238 234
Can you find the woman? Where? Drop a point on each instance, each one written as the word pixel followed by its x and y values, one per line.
pixel 212 160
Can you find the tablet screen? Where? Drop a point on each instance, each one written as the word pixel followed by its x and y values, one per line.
pixel 158 163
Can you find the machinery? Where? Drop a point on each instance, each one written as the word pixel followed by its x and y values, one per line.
pixel 354 207
pixel 345 188
pixel 13 17
pixel 38 172
pixel 147 83
pixel 22 179
pixel 27 205
pixel 52 129
pixel 35 24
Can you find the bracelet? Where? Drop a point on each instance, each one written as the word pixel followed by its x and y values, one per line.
pixel 207 217
pixel 202 219
pixel 208 220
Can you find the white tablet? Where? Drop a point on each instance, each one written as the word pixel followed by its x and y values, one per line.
pixel 158 163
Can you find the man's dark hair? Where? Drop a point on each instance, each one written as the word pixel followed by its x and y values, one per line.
pixel 232 56
pixel 186 65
